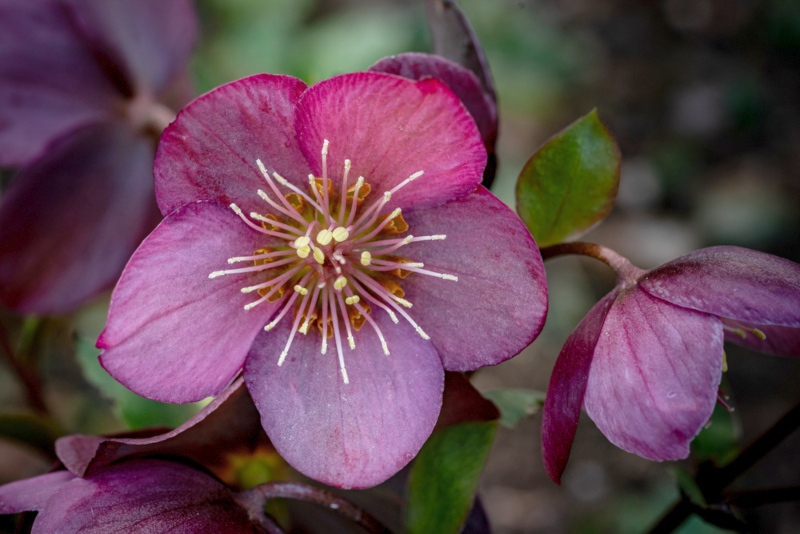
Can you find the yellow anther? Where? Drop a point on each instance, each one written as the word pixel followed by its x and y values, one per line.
pixel 325 147
pixel 366 258
pixel 236 209
pixel 304 328
pixel 304 251
pixel 319 256
pixel 339 283
pixel 300 289
pixel 403 302
pixel 355 299
pixel 324 237
pixel 352 342
pixel 339 234
pixel 724 362
pixel 270 326
pixel 449 277
pixel 759 334
pixel 216 274
pixel 302 241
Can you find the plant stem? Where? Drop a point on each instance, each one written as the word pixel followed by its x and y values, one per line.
pixel 626 271
pixel 253 499
pixel 712 479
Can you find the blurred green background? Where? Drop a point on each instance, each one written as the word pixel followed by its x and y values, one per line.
pixel 704 99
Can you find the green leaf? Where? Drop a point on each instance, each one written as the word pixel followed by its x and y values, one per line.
pixel 570 183
pixel 688 486
pixel 444 477
pixel 515 404
pixel 135 411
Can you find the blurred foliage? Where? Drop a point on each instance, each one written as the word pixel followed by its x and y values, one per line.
pixel 515 404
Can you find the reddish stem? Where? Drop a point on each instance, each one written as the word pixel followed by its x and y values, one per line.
pixel 253 500
pixel 626 271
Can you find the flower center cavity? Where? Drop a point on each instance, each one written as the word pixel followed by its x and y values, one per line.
pixel 332 257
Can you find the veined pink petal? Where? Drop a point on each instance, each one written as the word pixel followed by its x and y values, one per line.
pixel 564 400
pixel 390 128
pixel 462 81
pixel 210 151
pixel 49 81
pixel 499 303
pixel 70 221
pixel 149 41
pixel 32 493
pixel 781 340
pixel 741 284
pixel 173 334
pixel 654 377
pixel 143 496
pixel 353 435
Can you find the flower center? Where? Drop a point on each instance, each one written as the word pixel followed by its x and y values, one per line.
pixel 332 257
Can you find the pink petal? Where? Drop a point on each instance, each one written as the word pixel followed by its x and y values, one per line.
pixel 732 282
pixel 229 422
pixel 32 493
pixel 391 128
pixel 781 340
pixel 49 81
pixel 149 41
pixel 210 151
pixel 143 496
pixel 353 435
pixel 499 303
pixel 564 400
pixel 463 82
pixel 173 334
pixel 70 221
pixel 654 378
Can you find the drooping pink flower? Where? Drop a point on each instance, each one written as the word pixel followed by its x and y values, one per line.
pixel 332 241
pixel 83 88
pixel 646 361
pixel 152 495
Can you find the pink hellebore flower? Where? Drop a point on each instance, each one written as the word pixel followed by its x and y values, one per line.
pixel 332 241
pixel 149 495
pixel 83 88
pixel 646 361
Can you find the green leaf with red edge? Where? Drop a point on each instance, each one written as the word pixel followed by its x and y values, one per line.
pixel 444 477
pixel 570 183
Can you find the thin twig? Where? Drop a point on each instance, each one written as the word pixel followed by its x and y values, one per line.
pixel 254 498
pixel 712 479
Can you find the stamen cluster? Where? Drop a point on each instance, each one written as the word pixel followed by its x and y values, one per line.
pixel 336 258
